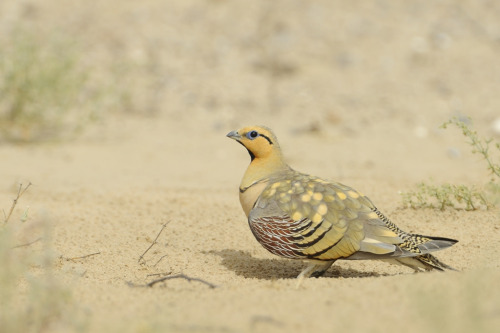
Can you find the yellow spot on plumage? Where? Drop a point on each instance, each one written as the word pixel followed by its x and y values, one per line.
pixel 322 209
pixel 317 196
pixel 275 185
pixel 271 192
pixel 297 216
pixel 284 198
pixel 341 195
pixel 297 188
pixel 372 215
pixel 317 218
pixel 305 198
pixel 353 194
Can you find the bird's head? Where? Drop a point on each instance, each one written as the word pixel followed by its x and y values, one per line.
pixel 260 141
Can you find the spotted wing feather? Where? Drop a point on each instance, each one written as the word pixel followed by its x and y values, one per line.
pixel 300 216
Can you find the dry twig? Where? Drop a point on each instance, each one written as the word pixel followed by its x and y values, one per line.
pixel 160 260
pixel 171 277
pixel 154 242
pixel 28 244
pixel 20 192
pixel 180 276
pixel 158 274
pixel 82 257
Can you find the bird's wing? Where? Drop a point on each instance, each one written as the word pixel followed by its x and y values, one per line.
pixel 300 216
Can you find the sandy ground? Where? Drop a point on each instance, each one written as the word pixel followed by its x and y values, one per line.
pixel 355 91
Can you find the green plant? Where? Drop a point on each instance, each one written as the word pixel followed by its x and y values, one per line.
pixel 445 195
pixel 460 196
pixel 479 145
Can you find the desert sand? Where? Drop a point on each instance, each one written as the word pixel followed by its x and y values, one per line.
pixel 356 92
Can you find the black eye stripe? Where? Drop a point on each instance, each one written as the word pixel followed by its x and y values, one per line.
pixel 267 138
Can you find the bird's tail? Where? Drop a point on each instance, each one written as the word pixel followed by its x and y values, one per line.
pixel 432 262
pixel 428 244
pixel 424 262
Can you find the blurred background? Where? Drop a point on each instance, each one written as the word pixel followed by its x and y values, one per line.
pixel 327 66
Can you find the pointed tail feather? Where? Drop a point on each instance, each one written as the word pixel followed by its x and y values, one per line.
pixel 426 262
pixel 433 263
pixel 435 243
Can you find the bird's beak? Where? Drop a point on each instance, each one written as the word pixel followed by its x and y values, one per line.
pixel 234 135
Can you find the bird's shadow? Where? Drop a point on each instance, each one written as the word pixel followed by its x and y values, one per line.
pixel 243 264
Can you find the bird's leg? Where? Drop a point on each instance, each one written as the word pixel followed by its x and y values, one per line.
pixel 320 269
pixel 314 269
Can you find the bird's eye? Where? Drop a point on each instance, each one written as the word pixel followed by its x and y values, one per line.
pixel 252 135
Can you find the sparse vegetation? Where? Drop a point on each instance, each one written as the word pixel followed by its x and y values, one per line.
pixel 33 300
pixel 20 192
pixel 42 88
pixel 479 145
pixel 460 196
pixel 445 195
pixel 49 91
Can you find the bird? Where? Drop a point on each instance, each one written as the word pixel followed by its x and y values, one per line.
pixel 299 216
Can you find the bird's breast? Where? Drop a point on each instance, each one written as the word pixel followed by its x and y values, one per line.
pixel 249 195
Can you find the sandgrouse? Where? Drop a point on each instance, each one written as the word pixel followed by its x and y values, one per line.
pixel 298 216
